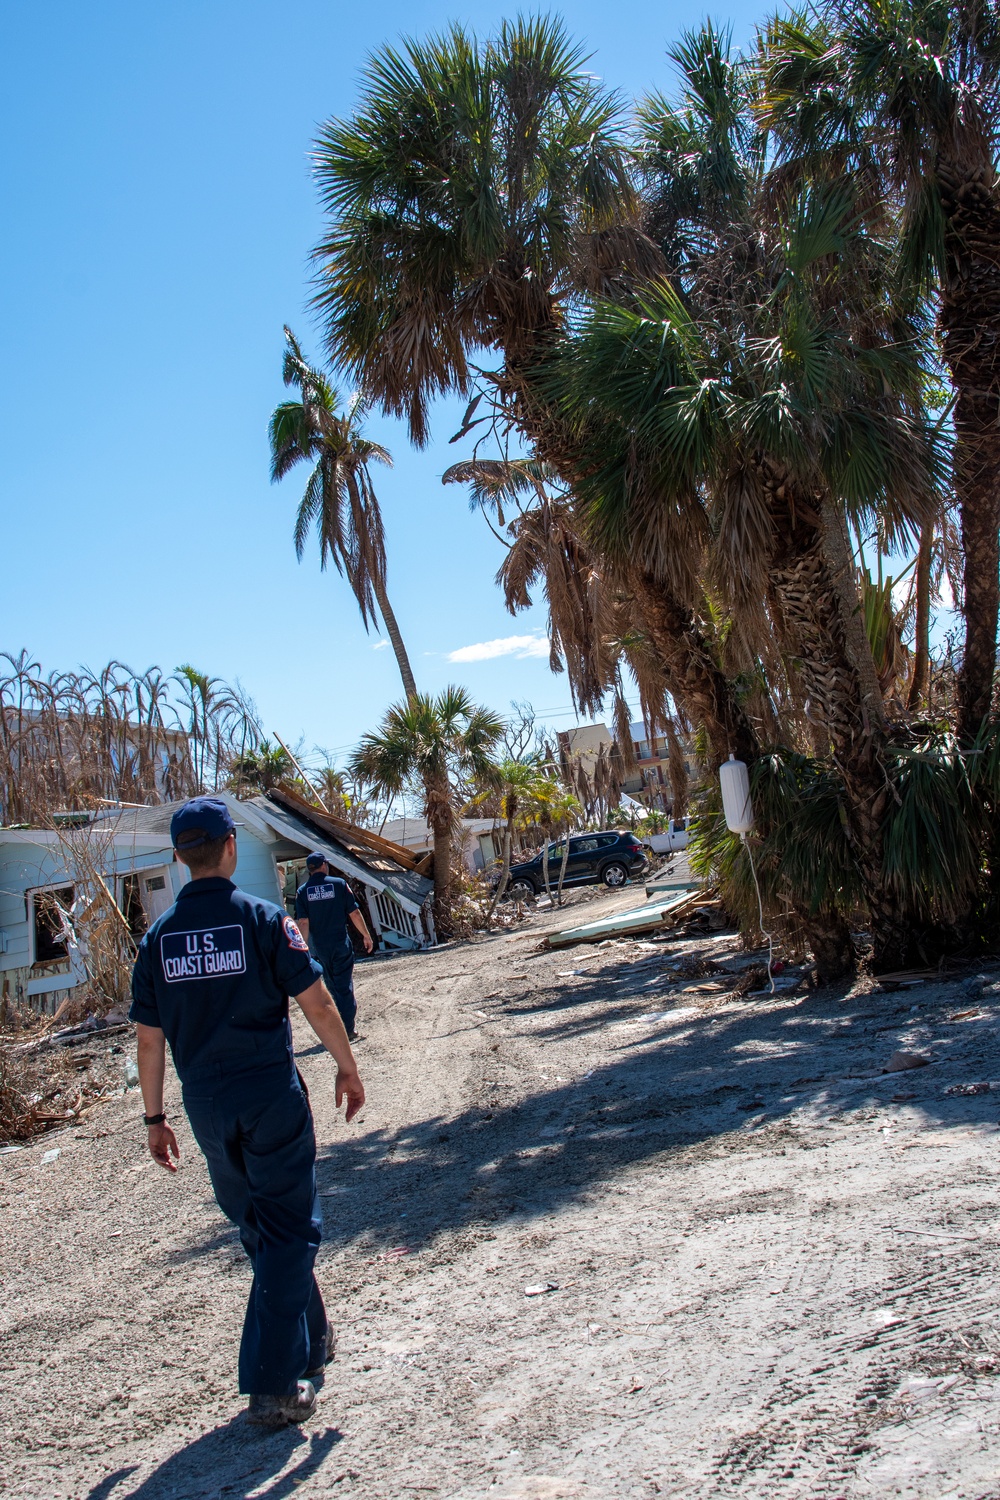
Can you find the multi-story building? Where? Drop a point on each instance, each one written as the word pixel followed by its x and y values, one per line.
pixel 584 744
pixel 650 781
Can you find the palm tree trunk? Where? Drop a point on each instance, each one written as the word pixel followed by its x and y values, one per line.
pixel 970 320
pixel 693 676
pixel 980 515
pixel 441 829
pixel 508 840
pixel 545 866
pixel 395 638
pixel 508 844
pixel 922 626
pixel 829 937
pixel 811 577
pixel 677 771
pixel 843 574
pixel 562 871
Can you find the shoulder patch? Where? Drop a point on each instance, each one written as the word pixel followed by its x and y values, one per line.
pixel 294 936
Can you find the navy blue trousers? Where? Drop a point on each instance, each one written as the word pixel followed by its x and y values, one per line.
pixel 339 976
pixel 257 1135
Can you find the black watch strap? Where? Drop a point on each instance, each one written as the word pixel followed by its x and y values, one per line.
pixel 153 1119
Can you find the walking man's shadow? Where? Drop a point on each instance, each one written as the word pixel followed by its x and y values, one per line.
pixel 226 1464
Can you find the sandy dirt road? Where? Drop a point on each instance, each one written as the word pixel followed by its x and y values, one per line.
pixel 772 1269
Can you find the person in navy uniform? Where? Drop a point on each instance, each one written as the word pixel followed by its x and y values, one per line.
pixel 212 978
pixel 324 905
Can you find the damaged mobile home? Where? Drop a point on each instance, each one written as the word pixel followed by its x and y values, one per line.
pixel 46 874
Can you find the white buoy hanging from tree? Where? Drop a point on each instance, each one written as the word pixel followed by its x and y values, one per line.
pixel 735 782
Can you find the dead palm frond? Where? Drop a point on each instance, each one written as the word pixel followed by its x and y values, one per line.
pixel 339 497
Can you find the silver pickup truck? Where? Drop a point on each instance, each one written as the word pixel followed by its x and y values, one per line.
pixel 675 838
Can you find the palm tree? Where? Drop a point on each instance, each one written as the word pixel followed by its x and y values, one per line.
pixel 746 419
pixel 903 94
pixel 435 742
pixel 261 768
pixel 565 811
pixel 474 187
pixel 477 189
pixel 789 478
pixel 339 495
pixel 521 789
pixel 206 697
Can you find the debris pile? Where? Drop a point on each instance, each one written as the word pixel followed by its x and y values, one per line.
pixel 53 1076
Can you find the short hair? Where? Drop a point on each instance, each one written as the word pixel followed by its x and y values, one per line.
pixel 204 856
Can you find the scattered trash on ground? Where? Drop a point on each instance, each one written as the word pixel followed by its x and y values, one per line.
pixel 541 1288
pixel 903 979
pixel 974 988
pixel 938 1234
pixel 901 1062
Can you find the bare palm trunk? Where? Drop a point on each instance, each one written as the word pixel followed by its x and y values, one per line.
pixel 545 868
pixel 441 829
pixel 922 626
pixel 395 638
pixel 693 676
pixel 677 771
pixel 508 842
pixel 970 318
pixel 562 872
pixel 829 937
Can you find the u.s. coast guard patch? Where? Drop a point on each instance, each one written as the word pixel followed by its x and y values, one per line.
pixel 294 936
pixel 209 953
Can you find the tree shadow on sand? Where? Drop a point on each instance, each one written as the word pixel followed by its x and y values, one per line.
pixel 676 1079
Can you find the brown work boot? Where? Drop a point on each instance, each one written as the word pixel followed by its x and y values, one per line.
pixel 331 1349
pixel 277 1411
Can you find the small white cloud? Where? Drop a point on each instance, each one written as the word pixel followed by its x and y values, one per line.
pixel 379 645
pixel 508 645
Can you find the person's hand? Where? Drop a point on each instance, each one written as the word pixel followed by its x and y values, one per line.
pixel 367 940
pixel 350 1087
pixel 163 1145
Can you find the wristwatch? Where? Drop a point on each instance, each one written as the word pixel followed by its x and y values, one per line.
pixel 153 1119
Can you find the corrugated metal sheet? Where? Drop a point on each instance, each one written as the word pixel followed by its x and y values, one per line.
pixel 623 924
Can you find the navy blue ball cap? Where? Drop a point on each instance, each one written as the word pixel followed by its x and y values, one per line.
pixel 199 820
pixel 314 860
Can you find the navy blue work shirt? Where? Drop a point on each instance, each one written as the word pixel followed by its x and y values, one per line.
pixel 214 973
pixel 326 901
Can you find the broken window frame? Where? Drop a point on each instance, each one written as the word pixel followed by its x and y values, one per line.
pixel 60 950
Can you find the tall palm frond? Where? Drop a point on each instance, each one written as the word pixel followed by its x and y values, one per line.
pixel 462 195
pixel 339 498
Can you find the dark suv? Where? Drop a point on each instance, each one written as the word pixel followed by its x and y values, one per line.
pixel 593 857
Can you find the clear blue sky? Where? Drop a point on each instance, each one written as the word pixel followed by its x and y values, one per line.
pixel 159 214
